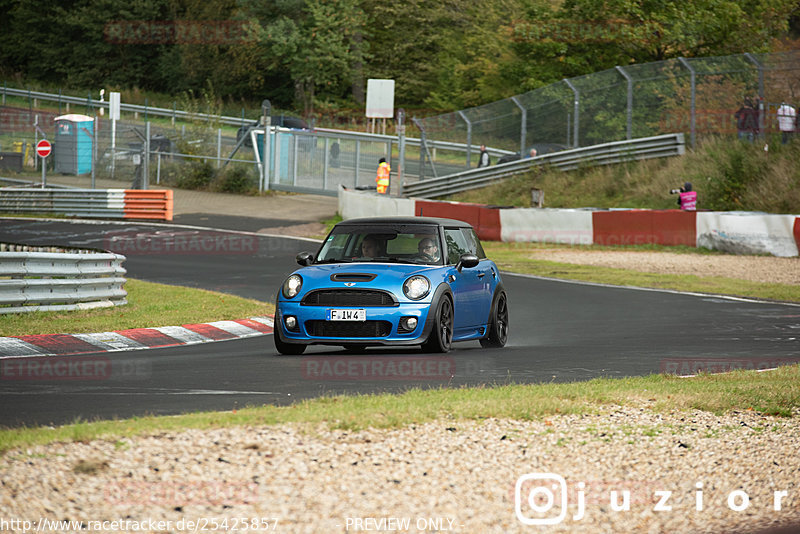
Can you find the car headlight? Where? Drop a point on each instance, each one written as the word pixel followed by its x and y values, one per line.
pixel 292 285
pixel 416 287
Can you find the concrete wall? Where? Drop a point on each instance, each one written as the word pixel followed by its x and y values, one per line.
pixel 738 233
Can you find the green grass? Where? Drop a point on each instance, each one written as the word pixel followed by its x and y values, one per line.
pixel 776 393
pixel 515 257
pixel 149 304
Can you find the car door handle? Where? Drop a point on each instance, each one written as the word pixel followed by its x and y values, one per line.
pixel 481 275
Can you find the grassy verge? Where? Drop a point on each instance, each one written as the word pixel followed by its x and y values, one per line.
pixel 774 393
pixel 515 257
pixel 149 304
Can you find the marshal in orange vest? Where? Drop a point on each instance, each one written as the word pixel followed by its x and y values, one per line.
pixel 383 176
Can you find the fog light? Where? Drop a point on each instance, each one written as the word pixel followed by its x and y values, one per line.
pixel 406 325
pixel 291 322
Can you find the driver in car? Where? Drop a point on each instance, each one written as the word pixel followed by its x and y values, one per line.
pixel 428 250
pixel 370 247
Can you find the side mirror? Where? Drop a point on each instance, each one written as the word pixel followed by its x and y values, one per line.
pixel 467 260
pixel 304 259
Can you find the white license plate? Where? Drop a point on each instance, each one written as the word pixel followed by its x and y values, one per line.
pixel 347 315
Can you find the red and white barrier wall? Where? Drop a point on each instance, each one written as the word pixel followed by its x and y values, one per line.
pixel 735 232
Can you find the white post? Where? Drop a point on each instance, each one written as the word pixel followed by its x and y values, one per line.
pixel 113 112
pixel 219 146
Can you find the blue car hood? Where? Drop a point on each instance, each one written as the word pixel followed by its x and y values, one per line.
pixel 388 276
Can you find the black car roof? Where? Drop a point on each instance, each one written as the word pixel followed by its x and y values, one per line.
pixel 405 220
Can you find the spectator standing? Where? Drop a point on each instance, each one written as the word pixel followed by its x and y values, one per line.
pixel 483 158
pixel 747 121
pixel 786 121
pixel 382 179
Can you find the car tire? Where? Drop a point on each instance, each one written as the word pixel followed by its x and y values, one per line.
pixel 498 327
pixel 288 349
pixel 441 337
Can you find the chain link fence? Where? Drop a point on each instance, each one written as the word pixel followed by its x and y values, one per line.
pixel 196 155
pixel 698 97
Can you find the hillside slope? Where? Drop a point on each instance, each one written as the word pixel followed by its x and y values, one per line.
pixel 728 175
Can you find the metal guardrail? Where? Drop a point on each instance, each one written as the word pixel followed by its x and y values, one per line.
pixel 160 112
pixel 106 203
pixel 608 153
pixel 51 281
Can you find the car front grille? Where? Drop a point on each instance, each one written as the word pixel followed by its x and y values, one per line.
pixel 317 328
pixel 349 297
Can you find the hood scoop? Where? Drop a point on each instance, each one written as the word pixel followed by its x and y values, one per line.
pixel 353 277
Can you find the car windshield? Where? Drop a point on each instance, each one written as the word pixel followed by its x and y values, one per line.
pixel 395 243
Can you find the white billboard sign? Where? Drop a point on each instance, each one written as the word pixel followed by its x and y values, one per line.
pixel 380 99
pixel 113 106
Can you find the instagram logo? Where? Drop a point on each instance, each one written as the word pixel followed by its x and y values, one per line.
pixel 537 491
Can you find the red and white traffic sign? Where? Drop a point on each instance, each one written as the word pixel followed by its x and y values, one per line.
pixel 43 148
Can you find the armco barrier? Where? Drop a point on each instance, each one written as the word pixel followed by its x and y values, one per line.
pixel 605 154
pixel 103 203
pixel 148 204
pixel 735 232
pixel 642 227
pixel 47 281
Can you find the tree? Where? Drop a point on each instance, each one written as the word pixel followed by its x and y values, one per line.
pixel 584 36
pixel 317 43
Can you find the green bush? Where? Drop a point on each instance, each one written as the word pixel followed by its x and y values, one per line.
pixel 235 180
pixel 195 175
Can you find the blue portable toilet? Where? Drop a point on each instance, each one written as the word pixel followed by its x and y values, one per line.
pixel 72 149
pixel 278 152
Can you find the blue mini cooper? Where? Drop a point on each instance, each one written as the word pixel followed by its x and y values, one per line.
pixel 393 281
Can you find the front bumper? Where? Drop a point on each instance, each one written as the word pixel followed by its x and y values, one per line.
pixel 312 328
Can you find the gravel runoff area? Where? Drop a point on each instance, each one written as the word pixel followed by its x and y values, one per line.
pixel 753 268
pixel 678 472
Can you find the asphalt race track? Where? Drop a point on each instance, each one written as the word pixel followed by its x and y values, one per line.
pixel 560 331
